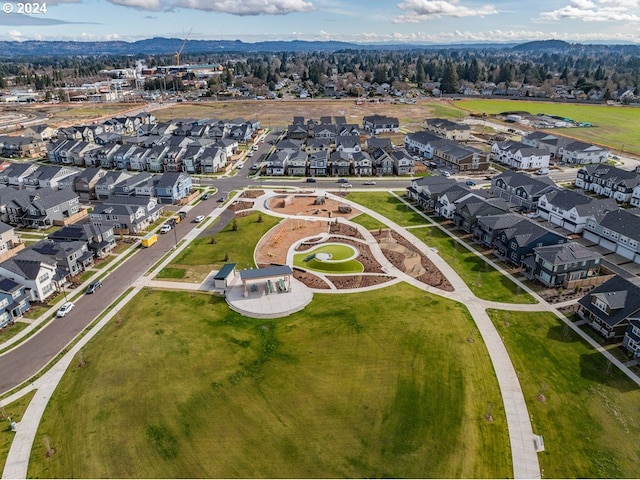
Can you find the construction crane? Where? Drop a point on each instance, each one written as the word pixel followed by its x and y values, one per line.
pixel 179 52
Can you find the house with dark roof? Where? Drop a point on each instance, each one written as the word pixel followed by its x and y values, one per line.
pixel 40 132
pixel 173 187
pixel 372 143
pixel 72 257
pixel 376 124
pixel 421 143
pixel 319 164
pixel 362 164
pixel 540 139
pixel 460 158
pixel 278 162
pixel 562 265
pixel 516 242
pixel 348 144
pixel 106 184
pixel 582 153
pixel 616 230
pixel 403 163
pixel 36 272
pixel 521 189
pixel 127 215
pixel 340 163
pixel 425 190
pixel 520 156
pixel 488 227
pixel 84 184
pixel 447 129
pixel 8 240
pixel 570 209
pixel 313 145
pixel 14 301
pixel 382 162
pixel 99 238
pixel 47 176
pixel 446 202
pixel 127 186
pixel 609 307
pixel 16 173
pixel 612 182
pixel 469 210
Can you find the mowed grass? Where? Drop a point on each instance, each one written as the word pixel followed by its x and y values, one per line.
pixel 613 126
pixel 15 412
pixel 390 206
pixel 375 384
pixel 484 281
pixel 236 246
pixel 589 419
pixel 368 222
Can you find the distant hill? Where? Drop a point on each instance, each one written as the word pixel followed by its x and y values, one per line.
pixel 543 45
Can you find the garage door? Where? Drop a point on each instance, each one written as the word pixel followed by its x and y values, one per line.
pixel 592 237
pixel 625 252
pixel 608 244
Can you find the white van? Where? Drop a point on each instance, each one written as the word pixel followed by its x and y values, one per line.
pixel 542 171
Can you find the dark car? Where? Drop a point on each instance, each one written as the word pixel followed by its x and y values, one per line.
pixel 311 180
pixel 93 286
pixel 470 183
pixel 205 196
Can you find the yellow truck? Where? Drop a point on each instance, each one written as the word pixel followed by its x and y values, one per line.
pixel 149 240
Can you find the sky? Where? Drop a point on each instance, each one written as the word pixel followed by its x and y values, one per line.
pixel 360 21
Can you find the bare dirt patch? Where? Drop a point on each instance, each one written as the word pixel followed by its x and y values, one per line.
pixel 273 247
pixel 240 205
pixel 307 205
pixel 310 280
pixel 252 193
pixel 344 282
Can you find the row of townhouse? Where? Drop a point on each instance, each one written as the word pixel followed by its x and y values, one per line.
pixel 327 128
pixel 448 129
pixel 167 188
pixel 127 215
pixel 519 156
pixel 613 182
pixel 41 208
pixel 381 162
pixel 567 150
pixel 451 154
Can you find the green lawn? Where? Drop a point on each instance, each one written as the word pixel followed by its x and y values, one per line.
pixel 375 384
pixel 613 126
pixel 173 273
pixel 589 420
pixel 483 280
pixel 14 411
pixel 12 330
pixel 237 246
pixel 368 222
pixel 389 206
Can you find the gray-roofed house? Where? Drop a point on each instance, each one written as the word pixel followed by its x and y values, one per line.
pixel 319 164
pixel 517 242
pixel 105 186
pixel 521 189
pixel 382 162
pixel 582 153
pixel 99 238
pixel 14 301
pixel 520 156
pixel 631 340
pixel 425 190
pixel 16 173
pixel 127 187
pixel 471 208
pixel 563 265
pixel 127 215
pixel 8 240
pixel 460 158
pixel 172 187
pixel 448 129
pixel 85 182
pixel 49 207
pixel 609 181
pixel 446 202
pixel 618 231
pixel 47 176
pixel 570 209
pixel 608 307
pixel 421 142
pixel 297 165
pixel 72 257
pixel 34 271
pixel 362 164
pixel 376 124
pixel 489 227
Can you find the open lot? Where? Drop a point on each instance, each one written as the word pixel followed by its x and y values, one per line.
pixel 615 127
pixel 389 206
pixel 588 418
pixel 373 384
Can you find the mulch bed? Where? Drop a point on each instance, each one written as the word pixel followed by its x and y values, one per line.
pixel 240 205
pixel 310 280
pixel 252 194
pixel 344 229
pixel 358 281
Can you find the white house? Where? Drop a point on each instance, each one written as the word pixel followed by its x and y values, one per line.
pixel 520 156
pixel 581 153
pixel 33 270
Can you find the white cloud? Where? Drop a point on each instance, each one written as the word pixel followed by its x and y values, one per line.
pixel 15 36
pixel 233 7
pixel 423 10
pixel 597 11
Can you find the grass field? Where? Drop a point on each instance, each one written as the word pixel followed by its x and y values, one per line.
pixel 186 388
pixel 14 411
pixel 201 256
pixel 337 264
pixel 589 420
pixel 368 222
pixel 615 127
pixel 483 280
pixel 389 206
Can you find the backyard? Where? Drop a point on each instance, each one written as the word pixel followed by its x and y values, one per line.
pixel 375 384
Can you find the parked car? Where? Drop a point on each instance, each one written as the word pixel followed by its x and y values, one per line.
pixel 343 180
pixel 311 180
pixel 446 173
pixel 222 199
pixel 470 183
pixel 205 196
pixel 64 309
pixel 369 182
pixel 542 171
pixel 199 218
pixel 166 228
pixel 346 185
pixel 93 287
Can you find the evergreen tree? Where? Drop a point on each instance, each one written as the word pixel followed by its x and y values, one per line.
pixel 449 82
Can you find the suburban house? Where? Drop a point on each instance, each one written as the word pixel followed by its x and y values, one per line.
pixel 471 208
pixel 313 145
pixel 446 202
pixel 40 132
pixel 631 340
pixel 16 173
pixel 520 156
pixel 517 242
pixel 14 301
pixel 47 176
pixel 297 165
pixel 421 143
pixel 278 162
pixel 540 139
pixel 376 124
pixel 382 162
pixel 72 257
pixel 581 153
pixel 106 184
pixel 348 144
pixel 340 163
pixel 36 272
pixel 616 230
pixel 100 239
pixel 84 183
pixel 635 197
pixel 212 160
pixel 403 163
pixel 172 187
pixel 8 240
pixel 127 215
pixel 609 181
pixel 570 209
pixel 44 207
pixel 127 187
pixel 609 307
pixel 460 158
pixel 425 190
pixel 319 164
pixel 372 143
pixel 362 164
pixel 562 265
pixel 448 129
pixel 521 189
pixel 488 227
pixel 22 147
